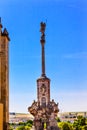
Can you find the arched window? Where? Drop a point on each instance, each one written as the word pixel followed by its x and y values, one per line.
pixel 43 100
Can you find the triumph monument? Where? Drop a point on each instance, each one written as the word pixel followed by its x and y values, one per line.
pixel 44 110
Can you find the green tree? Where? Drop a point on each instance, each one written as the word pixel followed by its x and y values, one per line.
pixel 81 120
pixel 65 126
pixel 22 123
pixel 80 123
pixel 11 128
pixel 30 121
pixel 84 127
pixel 20 128
pixel 27 127
pixel 58 119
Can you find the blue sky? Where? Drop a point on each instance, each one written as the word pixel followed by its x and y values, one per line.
pixel 65 48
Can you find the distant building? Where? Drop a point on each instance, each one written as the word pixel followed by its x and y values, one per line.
pixel 19 117
pixel 71 116
pixel 24 117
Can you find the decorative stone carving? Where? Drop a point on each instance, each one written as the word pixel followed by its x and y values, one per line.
pixel 45 114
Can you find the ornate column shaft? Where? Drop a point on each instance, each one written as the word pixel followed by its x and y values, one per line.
pixel 42 30
pixel 43 60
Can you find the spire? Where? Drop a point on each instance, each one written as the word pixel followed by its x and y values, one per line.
pixel 0 26
pixel 42 41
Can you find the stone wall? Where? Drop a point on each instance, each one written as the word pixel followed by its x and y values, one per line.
pixel 1 116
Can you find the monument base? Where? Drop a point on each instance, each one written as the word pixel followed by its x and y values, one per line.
pixel 44 115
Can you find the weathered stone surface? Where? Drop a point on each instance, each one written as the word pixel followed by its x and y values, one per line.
pixel 44 114
pixel 4 76
pixel 1 116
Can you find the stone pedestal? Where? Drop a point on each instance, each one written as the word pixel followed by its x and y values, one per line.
pixel 46 114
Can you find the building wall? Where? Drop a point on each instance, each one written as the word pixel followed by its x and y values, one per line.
pixel 1 116
pixel 4 77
